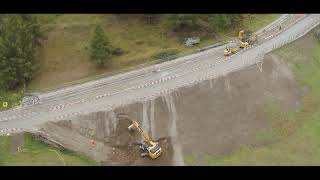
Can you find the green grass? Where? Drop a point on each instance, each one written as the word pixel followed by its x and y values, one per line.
pixel 265 136
pixel 257 21
pixel 295 135
pixel 63 57
pixel 190 160
pixel 35 153
pixel 11 98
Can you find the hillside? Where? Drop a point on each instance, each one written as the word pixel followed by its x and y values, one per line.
pixel 294 136
pixel 63 56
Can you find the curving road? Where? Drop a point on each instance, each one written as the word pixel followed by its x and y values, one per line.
pixel 153 81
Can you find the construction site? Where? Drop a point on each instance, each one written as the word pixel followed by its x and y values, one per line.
pixel 207 113
pixel 213 117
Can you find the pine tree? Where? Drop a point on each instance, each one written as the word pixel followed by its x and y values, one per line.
pixel 100 48
pixel 18 42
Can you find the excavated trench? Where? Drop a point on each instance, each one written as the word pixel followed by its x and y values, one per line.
pixel 213 117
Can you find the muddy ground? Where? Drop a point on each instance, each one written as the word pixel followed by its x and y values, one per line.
pixel 213 117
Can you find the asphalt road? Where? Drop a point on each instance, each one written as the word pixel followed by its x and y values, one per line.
pixel 150 82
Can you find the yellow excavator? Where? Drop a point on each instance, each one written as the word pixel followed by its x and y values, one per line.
pixel 230 50
pixel 149 147
pixel 247 38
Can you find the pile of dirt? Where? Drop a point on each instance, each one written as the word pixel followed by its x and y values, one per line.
pixel 123 151
pixel 118 149
pixel 131 155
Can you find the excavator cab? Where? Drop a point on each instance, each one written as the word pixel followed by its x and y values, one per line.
pixel 244 44
pixel 152 149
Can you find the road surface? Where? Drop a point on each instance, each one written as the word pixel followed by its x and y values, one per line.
pixel 153 81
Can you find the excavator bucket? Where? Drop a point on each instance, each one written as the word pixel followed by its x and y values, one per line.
pixel 131 127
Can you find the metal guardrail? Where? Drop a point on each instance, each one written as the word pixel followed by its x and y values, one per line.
pixel 137 67
pixel 286 40
pixel 245 60
pixel 250 60
pixel 109 74
pixel 211 46
pixel 304 27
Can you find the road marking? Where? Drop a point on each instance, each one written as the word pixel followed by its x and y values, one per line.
pixel 10 130
pixel 212 65
pixel 60 106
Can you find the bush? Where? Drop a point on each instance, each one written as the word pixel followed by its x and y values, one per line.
pixel 204 22
pixel 13 98
pixel 166 55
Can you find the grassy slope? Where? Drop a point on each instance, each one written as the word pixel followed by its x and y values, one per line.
pixel 63 57
pixel 296 134
pixel 256 21
pixel 35 153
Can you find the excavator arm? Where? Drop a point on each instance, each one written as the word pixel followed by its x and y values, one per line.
pixel 137 126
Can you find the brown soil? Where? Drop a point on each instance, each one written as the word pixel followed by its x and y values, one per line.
pixel 130 155
pixel 231 112
pixel 211 118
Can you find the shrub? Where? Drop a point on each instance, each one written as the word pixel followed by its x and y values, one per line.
pixel 166 55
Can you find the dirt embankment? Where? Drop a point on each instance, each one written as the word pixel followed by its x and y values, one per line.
pixel 213 117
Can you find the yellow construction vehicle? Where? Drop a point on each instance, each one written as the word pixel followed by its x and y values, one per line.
pixel 230 50
pixel 247 38
pixel 150 148
pixel 244 44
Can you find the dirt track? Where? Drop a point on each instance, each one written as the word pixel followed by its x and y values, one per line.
pixel 210 118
